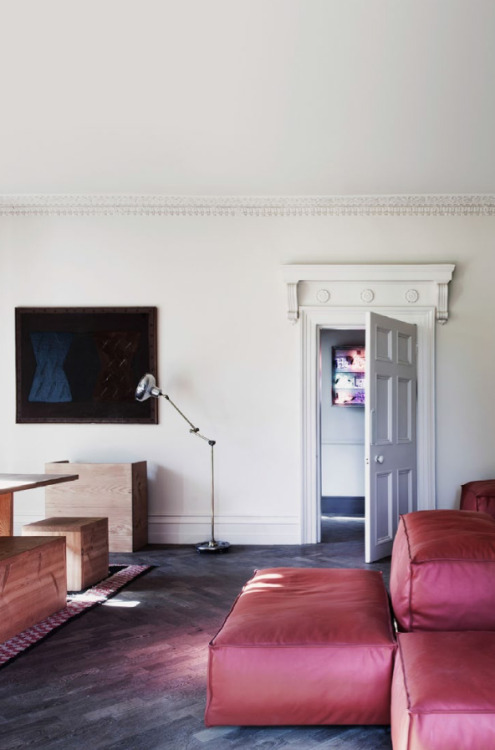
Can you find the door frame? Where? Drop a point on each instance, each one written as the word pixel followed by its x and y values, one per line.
pixel 312 321
pixel 343 304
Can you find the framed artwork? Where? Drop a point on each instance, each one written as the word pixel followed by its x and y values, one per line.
pixel 348 371
pixel 82 364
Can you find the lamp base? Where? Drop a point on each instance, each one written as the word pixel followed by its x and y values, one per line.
pixel 213 546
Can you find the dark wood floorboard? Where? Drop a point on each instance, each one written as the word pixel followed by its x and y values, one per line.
pixel 131 676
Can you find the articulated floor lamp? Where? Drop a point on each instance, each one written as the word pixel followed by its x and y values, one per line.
pixel 147 387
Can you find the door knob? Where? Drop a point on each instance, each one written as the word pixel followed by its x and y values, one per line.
pixel 379 459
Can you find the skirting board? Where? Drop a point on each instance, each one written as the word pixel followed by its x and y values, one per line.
pixel 343 506
pixel 194 529
pixel 236 530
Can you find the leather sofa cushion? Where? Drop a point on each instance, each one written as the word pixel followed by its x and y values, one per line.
pixel 304 646
pixel 442 574
pixel 442 691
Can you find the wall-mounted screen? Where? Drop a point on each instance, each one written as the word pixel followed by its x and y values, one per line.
pixel 348 369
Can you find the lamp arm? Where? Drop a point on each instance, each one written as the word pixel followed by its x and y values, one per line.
pixel 194 430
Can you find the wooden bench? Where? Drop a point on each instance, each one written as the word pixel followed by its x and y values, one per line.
pixel 33 582
pixel 86 546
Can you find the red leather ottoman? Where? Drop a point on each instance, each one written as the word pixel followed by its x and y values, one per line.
pixel 304 646
pixel 479 496
pixel 442 692
pixel 442 574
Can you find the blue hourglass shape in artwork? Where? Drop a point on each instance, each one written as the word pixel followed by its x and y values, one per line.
pixel 50 384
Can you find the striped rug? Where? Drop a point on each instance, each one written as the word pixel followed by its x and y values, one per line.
pixel 77 604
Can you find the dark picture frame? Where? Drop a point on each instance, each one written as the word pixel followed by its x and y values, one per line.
pixel 82 364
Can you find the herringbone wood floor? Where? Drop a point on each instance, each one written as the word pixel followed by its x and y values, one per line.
pixel 131 676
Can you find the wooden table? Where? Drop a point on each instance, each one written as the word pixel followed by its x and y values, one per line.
pixel 10 483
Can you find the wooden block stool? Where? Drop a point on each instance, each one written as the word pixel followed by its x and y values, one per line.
pixel 33 585
pixel 86 543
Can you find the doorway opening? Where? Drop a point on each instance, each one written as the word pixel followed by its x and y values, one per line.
pixel 342 433
pixel 339 296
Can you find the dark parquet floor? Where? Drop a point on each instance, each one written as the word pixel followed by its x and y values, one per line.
pixel 130 675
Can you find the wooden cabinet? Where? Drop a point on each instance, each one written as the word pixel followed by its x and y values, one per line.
pixel 117 491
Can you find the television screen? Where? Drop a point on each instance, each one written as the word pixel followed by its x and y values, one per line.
pixel 348 370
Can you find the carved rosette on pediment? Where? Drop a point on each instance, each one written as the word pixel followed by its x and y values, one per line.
pixel 323 296
pixel 412 296
pixel 368 286
pixel 367 295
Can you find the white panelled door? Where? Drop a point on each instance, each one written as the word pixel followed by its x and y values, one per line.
pixel 390 430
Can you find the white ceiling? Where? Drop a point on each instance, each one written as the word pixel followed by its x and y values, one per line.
pixel 219 97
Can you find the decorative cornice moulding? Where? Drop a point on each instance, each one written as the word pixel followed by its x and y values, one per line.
pixel 95 204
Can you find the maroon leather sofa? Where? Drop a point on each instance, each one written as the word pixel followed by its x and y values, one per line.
pixel 317 646
pixel 442 585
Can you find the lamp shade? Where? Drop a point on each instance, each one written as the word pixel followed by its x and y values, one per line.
pixel 147 387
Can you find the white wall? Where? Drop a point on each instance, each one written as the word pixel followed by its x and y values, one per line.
pixel 248 96
pixel 342 429
pixel 229 357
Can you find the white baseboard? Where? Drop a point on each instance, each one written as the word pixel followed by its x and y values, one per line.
pixel 234 529
pixel 163 529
